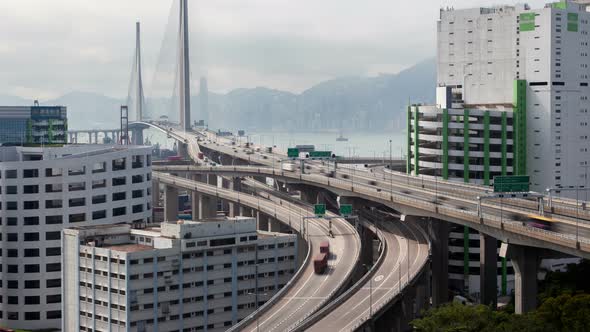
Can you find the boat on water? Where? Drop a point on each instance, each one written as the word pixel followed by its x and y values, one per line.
pixel 341 138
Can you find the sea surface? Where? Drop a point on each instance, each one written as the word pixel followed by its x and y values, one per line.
pixel 359 143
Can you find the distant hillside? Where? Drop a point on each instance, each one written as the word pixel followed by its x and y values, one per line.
pixel 353 103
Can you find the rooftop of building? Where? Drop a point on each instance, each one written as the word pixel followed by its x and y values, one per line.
pixel 129 247
pixel 561 4
pixel 58 151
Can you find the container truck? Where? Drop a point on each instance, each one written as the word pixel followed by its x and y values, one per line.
pixel 201 155
pixel 325 247
pixel 320 262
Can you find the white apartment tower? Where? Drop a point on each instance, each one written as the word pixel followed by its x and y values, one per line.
pixel 182 276
pixel 42 191
pixel 534 63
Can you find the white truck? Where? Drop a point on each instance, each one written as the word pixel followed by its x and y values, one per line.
pixel 290 167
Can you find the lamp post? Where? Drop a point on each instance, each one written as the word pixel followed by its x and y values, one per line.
pixel 391 166
pixel 370 296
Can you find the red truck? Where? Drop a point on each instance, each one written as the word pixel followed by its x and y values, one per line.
pixel 320 262
pixel 325 247
pixel 200 155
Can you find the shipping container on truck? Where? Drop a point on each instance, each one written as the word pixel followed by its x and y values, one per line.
pixel 325 248
pixel 320 262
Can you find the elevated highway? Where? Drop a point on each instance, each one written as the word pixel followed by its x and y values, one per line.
pixel 308 291
pixel 495 220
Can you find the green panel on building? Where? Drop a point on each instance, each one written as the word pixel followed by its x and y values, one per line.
pixel 504 144
pixel 560 5
pixel 445 144
pixel 572 27
pixel 409 142
pixel 520 127
pixel 486 148
pixel 527 22
pixel 416 141
pixel 466 145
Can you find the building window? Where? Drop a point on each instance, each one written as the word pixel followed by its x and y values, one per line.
pixel 53 220
pixel 32 252
pixel 52 235
pixel 32 284
pixel 53 283
pixel 53 267
pixel 119 196
pixel 96 215
pixel 30 173
pixel 120 181
pixel 31 221
pixel 119 164
pixel 53 251
pixel 77 217
pixel 31 236
pixel 99 199
pixel 54 314
pixel 31 205
pixel 119 211
pixel 53 298
pixel 34 315
pixel 32 300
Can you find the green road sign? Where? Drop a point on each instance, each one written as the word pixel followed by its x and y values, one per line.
pixel 319 210
pixel 345 209
pixel 320 154
pixel 513 183
pixel 292 152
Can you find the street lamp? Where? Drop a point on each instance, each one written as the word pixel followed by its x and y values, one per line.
pixel 370 295
pixel 391 167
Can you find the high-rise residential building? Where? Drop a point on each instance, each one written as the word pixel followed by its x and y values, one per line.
pixel 42 191
pixel 181 276
pixel 512 99
pixel 20 125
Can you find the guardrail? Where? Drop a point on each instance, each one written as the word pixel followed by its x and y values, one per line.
pixel 319 314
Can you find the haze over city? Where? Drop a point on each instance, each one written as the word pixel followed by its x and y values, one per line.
pixel 287 45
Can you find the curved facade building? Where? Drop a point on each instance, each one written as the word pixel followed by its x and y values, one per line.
pixel 44 190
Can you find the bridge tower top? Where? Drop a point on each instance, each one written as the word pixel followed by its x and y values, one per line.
pixel 184 70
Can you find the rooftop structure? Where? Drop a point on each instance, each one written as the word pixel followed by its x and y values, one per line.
pixel 184 275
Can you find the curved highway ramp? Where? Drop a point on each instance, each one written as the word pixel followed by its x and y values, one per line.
pixel 309 291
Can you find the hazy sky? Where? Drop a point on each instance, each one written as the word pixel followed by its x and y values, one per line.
pixel 51 47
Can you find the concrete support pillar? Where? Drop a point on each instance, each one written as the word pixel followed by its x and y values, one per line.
pixel 488 270
pixel 183 150
pixel 525 261
pixel 155 193
pixel 207 207
pixel 170 203
pixel 236 185
pixel 439 236
pixel 274 225
pixel 75 137
pixel 261 221
pixel 137 136
pixel 96 137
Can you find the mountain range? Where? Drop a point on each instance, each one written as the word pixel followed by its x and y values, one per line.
pixel 349 103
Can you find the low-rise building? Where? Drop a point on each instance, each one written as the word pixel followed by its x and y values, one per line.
pixel 20 125
pixel 182 276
